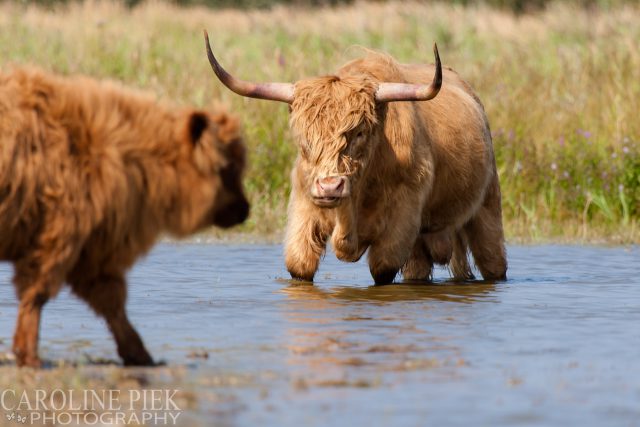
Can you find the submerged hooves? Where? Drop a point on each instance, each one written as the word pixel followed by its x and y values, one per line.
pixel 139 361
pixel 495 277
pixel 136 357
pixel 29 362
pixel 385 277
pixel 301 277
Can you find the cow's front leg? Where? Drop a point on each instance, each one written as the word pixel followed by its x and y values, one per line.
pixel 107 295
pixel 305 240
pixel 345 234
pixel 392 249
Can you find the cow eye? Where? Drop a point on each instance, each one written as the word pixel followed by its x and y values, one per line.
pixel 304 150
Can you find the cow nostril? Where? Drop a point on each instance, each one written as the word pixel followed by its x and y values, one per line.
pixel 331 182
pixel 332 186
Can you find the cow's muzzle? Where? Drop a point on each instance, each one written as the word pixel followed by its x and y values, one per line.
pixel 329 191
pixel 232 214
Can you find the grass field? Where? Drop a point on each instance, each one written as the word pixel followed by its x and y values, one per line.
pixel 561 87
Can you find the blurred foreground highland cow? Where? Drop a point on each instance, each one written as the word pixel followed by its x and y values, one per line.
pixel 90 174
pixel 389 164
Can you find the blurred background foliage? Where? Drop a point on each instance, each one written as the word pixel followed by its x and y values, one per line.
pixel 515 6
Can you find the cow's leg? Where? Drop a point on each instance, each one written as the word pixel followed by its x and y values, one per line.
pixel 38 277
pixel 33 293
pixel 107 296
pixel 391 251
pixel 486 237
pixel 305 241
pixel 25 339
pixel 345 234
pixel 419 266
pixel 459 265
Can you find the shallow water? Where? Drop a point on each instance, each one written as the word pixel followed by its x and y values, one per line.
pixel 557 344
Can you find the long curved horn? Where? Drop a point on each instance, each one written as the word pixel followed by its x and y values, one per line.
pixel 272 91
pixel 388 92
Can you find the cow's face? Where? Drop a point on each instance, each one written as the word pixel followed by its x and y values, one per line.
pixel 216 154
pixel 334 125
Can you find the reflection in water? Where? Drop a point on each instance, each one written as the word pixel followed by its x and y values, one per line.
pixel 349 335
pixel 465 292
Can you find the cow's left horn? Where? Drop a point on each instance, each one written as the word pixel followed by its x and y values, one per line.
pixel 272 91
pixel 388 92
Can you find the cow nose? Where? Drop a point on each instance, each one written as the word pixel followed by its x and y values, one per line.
pixel 232 214
pixel 331 186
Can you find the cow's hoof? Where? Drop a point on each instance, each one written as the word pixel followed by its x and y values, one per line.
pixel 495 277
pixel 29 362
pixel 138 359
pixel 138 362
pixel 301 277
pixel 384 277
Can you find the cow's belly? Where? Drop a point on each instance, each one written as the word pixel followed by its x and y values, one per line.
pixel 451 206
pixel 449 215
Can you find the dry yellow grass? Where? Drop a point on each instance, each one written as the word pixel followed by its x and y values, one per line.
pixel 561 88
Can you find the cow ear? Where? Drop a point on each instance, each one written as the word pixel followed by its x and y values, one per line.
pixel 198 123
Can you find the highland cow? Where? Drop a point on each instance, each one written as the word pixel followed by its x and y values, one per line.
pixel 90 175
pixel 389 164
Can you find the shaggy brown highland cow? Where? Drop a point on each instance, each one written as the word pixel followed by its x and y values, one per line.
pixel 90 174
pixel 389 164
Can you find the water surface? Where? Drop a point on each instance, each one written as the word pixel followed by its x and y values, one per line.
pixel 557 344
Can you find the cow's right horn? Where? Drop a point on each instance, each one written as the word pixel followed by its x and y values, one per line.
pixel 273 91
pixel 388 92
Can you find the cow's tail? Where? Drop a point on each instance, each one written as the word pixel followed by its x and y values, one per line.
pixel 459 265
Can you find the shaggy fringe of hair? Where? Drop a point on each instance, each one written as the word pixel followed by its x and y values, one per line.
pixel 326 108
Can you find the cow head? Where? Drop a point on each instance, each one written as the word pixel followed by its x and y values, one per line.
pixel 334 121
pixel 334 125
pixel 211 178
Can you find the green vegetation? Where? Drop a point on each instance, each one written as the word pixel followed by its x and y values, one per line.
pixel 561 87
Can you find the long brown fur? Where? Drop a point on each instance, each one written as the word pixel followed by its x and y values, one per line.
pixel 424 186
pixel 90 174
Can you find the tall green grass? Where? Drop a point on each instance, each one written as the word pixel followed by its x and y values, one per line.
pixel 561 87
